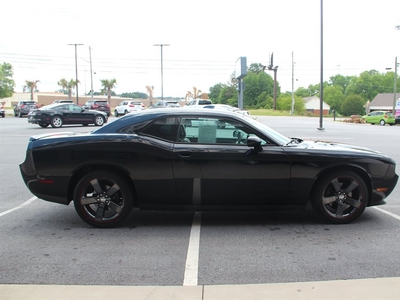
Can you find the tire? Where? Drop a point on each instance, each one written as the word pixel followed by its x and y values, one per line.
pixel 125 112
pixel 43 125
pixel 116 113
pixel 103 199
pixel 56 122
pixel 382 122
pixel 340 197
pixel 20 114
pixel 99 120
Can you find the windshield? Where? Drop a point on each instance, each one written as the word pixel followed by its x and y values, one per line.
pixel 280 139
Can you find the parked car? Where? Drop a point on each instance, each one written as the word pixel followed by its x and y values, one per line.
pixel 195 102
pixel 379 117
pixel 2 111
pixel 397 119
pixel 166 104
pixel 152 159
pixel 128 106
pixel 62 101
pixel 23 107
pixel 101 105
pixel 57 115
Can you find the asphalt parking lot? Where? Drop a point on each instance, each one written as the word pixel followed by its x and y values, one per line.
pixel 47 245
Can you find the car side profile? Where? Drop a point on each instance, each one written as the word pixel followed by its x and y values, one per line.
pixel 380 117
pixel 181 159
pixel 57 115
pixel 128 106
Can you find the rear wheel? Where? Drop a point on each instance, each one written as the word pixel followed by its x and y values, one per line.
pixel 340 197
pixel 103 199
pixel 56 122
pixel 382 122
pixel 115 113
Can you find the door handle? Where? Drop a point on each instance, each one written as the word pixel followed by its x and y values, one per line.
pixel 185 154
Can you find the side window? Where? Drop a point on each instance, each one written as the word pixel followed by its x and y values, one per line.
pixel 213 131
pixel 166 129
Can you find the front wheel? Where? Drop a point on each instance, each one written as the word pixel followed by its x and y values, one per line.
pixel 103 199
pixel 99 120
pixel 340 197
pixel 43 125
pixel 56 122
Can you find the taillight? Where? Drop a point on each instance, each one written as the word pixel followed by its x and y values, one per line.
pixel 108 105
pixel 131 105
pixel 23 105
pixel 95 106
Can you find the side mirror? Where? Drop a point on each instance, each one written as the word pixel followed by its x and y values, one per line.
pixel 255 142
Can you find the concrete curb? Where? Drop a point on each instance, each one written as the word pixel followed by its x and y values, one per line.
pixel 365 289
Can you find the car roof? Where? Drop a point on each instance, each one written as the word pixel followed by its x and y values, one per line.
pixel 150 114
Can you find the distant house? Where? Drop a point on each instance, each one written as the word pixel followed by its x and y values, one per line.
pixel 313 105
pixel 384 102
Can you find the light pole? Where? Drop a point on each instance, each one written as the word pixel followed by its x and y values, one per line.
pixel 91 73
pixel 162 88
pixel 395 87
pixel 76 70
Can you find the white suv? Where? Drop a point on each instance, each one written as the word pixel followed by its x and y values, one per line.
pixel 126 107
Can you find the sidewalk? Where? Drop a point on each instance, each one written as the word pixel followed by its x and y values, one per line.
pixel 365 289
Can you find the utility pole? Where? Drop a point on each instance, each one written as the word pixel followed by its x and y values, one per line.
pixel 91 73
pixel 76 70
pixel 271 67
pixel 395 88
pixel 292 110
pixel 162 89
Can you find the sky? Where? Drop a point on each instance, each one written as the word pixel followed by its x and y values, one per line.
pixel 205 40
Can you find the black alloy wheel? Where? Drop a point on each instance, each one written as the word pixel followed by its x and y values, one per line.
pixel 103 199
pixel 340 197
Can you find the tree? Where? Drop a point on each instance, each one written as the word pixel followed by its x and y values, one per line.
pixel 333 95
pixel 284 102
pixel 6 82
pixel 353 105
pixel 31 86
pixel 67 86
pixel 256 83
pixel 134 95
pixel 108 85
pixel 150 92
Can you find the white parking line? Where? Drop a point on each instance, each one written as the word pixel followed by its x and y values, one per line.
pixel 388 213
pixel 192 259
pixel 27 202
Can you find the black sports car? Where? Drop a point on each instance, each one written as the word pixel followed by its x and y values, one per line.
pixel 175 159
pixel 59 114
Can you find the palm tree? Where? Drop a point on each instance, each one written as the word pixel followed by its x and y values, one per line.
pixel 68 85
pixel 108 85
pixel 150 91
pixel 31 86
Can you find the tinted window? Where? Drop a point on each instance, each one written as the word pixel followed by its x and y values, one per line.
pixel 165 129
